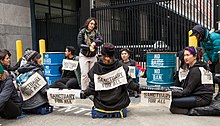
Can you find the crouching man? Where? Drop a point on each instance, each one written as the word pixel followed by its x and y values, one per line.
pixel 109 82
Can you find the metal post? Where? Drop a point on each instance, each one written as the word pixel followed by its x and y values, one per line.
pixel 19 49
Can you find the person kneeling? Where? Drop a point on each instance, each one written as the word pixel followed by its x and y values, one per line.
pixel 109 81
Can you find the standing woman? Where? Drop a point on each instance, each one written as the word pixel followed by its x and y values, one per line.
pixel 197 86
pixel 88 40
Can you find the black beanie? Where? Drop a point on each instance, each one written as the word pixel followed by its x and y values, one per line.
pixel 108 49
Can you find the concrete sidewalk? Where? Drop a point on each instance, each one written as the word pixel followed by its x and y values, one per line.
pixel 138 115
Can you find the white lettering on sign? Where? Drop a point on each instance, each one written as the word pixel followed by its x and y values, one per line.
pixel 110 80
pixel 32 86
pixel 157 62
pixel 63 97
pixel 156 56
pixel 69 64
pixel 156 98
pixel 157 77
pixel 47 70
pixel 157 71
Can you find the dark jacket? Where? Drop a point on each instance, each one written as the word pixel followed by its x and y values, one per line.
pixel 113 99
pixel 84 47
pixel 8 92
pixel 73 74
pixel 193 86
pixel 40 97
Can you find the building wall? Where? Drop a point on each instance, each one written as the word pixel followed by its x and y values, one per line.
pixel 15 23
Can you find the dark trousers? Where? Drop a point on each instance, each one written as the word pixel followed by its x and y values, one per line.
pixel 183 104
pixel 66 83
pixel 10 110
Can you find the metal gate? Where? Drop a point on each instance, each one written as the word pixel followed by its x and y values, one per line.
pixel 58 31
pixel 151 25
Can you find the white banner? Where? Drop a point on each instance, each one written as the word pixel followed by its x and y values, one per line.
pixel 32 86
pixel 182 74
pixel 132 71
pixel 206 76
pixel 69 64
pixel 64 97
pixel 156 98
pixel 110 80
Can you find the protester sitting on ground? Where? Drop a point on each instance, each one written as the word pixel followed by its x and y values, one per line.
pixel 197 87
pixel 70 71
pixel 20 62
pixel 210 42
pixel 5 59
pixel 183 70
pixel 109 82
pixel 32 84
pixel 10 102
pixel 134 71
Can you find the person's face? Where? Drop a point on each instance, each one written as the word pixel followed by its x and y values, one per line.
pixel 91 25
pixel 199 37
pixel 6 61
pixel 107 59
pixel 188 57
pixel 39 61
pixel 124 55
pixel 67 53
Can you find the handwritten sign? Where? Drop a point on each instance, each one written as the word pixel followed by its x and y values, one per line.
pixel 182 74
pixel 69 64
pixel 156 98
pixel 32 86
pixel 64 97
pixel 206 76
pixel 131 71
pixel 110 80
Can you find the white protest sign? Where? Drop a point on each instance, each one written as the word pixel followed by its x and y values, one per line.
pixel 182 74
pixel 132 71
pixel 64 97
pixel 156 98
pixel 32 86
pixel 206 76
pixel 110 80
pixel 69 64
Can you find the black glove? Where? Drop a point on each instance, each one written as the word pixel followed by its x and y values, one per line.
pixel 82 95
pixel 177 93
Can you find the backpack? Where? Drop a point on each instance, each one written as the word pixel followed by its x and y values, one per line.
pixel 23 77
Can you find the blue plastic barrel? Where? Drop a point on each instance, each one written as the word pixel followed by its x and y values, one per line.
pixel 160 68
pixel 52 62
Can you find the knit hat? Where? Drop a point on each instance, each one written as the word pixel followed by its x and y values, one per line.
pixel 108 49
pixel 1 69
pixel 198 29
pixel 30 54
